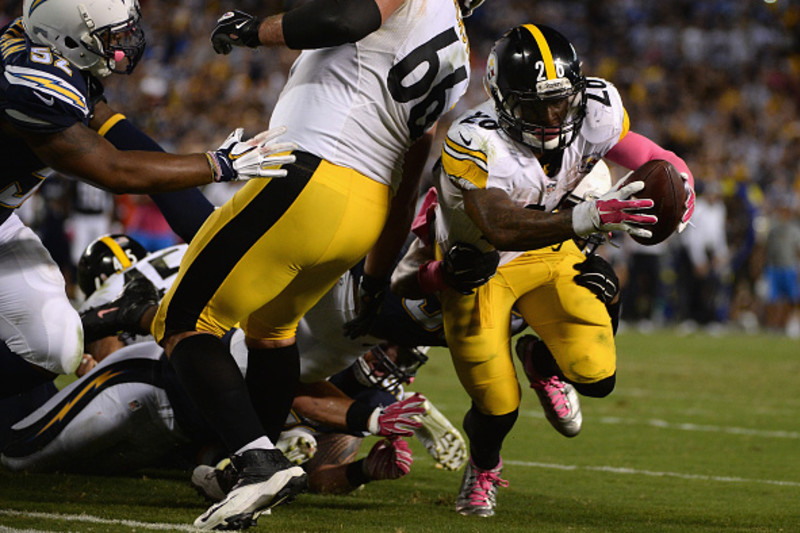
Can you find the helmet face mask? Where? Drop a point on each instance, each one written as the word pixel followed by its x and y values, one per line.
pixel 104 257
pixel 99 36
pixel 534 77
pixel 121 45
pixel 388 366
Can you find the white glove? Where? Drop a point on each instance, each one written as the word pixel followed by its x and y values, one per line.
pixel 610 212
pixel 254 158
pixel 690 196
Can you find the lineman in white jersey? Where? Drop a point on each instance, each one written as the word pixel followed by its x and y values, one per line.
pixel 507 164
pixel 373 78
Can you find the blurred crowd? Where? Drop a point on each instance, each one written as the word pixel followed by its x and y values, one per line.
pixel 716 81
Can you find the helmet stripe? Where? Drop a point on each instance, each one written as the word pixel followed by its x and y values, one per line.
pixel 119 253
pixel 34 5
pixel 544 48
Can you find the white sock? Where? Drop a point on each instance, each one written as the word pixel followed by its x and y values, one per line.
pixel 261 443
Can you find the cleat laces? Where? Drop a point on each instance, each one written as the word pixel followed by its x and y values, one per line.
pixel 483 489
pixel 554 388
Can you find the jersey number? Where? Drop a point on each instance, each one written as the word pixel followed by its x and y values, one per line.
pixel 426 313
pixel 44 56
pixel 426 112
pixel 165 265
pixel 482 120
pixel 16 192
pixel 597 84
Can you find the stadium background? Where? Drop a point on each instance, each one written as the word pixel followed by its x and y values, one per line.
pixel 701 433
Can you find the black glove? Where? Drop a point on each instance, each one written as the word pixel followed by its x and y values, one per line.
pixel 467 268
pixel 597 275
pixel 123 314
pixel 371 292
pixel 235 28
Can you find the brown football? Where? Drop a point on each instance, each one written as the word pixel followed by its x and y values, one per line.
pixel 663 185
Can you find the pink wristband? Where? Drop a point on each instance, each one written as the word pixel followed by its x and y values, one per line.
pixel 430 277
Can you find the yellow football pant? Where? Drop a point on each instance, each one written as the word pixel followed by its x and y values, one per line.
pixel 569 318
pixel 269 254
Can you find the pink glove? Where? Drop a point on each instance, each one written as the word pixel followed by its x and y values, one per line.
pixel 398 418
pixel 388 459
pixel 612 212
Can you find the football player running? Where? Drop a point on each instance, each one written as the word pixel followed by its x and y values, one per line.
pixel 507 164
pixel 361 119
pixel 54 116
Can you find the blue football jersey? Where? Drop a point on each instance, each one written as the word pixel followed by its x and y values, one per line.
pixel 41 92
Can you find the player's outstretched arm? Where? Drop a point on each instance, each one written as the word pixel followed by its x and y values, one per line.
pixel 81 152
pixel 315 24
pixel 634 150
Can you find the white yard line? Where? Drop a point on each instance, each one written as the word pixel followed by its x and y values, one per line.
pixel 95 520
pixel 4 529
pixel 633 471
pixel 654 422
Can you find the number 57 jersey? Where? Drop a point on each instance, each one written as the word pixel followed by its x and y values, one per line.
pixel 361 105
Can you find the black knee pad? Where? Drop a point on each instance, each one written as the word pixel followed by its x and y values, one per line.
pixel 600 389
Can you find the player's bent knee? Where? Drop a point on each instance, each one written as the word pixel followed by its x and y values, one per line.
pixel 60 349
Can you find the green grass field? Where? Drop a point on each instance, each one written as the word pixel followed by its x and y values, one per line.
pixel 701 434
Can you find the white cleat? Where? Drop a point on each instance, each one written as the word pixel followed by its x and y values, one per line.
pixel 265 479
pixel 561 405
pixel 560 402
pixel 478 494
pixel 212 483
pixel 298 445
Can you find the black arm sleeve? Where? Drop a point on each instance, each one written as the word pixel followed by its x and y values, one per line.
pixel 613 312
pixel 325 23
pixel 186 210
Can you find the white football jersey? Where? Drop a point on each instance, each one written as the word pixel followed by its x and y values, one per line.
pixel 324 348
pixel 477 154
pixel 361 105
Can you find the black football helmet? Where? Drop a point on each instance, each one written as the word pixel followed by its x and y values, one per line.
pixel 534 76
pixel 388 366
pixel 105 256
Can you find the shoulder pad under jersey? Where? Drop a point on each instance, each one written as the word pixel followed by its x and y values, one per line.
pixel 605 114
pixel 41 91
pixel 466 147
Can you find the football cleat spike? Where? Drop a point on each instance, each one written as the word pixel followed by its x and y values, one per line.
pixel 441 439
pixel 298 445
